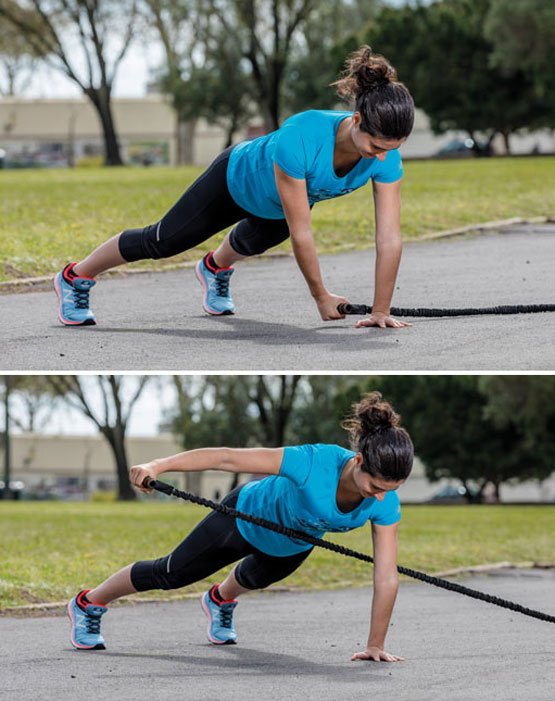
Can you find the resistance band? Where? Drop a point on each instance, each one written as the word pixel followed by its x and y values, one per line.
pixel 291 533
pixel 469 311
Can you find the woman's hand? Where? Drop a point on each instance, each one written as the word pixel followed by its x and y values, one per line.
pixel 138 473
pixel 377 655
pixel 382 320
pixel 327 306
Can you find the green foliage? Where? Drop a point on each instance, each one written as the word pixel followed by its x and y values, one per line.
pixel 457 432
pixel 522 34
pixel 446 61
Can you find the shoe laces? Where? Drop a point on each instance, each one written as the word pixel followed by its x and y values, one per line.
pixel 222 284
pixel 226 615
pixel 92 622
pixel 81 298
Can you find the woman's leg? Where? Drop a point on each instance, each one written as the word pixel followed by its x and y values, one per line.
pixel 106 256
pixel 202 211
pixel 116 586
pixel 214 543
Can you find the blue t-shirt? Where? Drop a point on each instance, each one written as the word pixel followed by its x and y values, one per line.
pixel 303 148
pixel 303 497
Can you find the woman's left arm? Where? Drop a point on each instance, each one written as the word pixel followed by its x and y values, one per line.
pixel 386 584
pixel 387 208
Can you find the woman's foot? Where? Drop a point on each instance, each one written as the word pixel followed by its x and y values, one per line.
pixel 73 296
pixel 219 612
pixel 85 623
pixel 215 281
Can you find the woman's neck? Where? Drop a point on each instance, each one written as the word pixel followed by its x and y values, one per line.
pixel 347 490
pixel 344 146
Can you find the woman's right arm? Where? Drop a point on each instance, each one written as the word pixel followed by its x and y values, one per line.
pixel 292 193
pixel 265 461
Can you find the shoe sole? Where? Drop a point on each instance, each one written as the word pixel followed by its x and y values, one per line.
pixel 67 322
pixel 210 638
pixel 206 308
pixel 73 642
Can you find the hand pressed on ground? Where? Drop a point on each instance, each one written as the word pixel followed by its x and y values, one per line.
pixel 382 320
pixel 377 655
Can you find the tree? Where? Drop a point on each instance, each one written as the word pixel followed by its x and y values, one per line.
pixel 265 31
pixel 451 77
pixel 78 38
pixel 204 73
pixel 117 400
pixel 521 33
pixel 527 402
pixel 243 411
pixel 319 52
pixel 17 61
pixel 454 434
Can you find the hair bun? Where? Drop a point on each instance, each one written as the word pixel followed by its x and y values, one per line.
pixel 364 72
pixel 371 415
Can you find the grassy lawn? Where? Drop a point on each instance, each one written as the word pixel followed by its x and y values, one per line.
pixel 50 550
pixel 50 217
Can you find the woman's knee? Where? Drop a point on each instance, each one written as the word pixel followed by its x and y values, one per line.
pixel 156 574
pixel 148 242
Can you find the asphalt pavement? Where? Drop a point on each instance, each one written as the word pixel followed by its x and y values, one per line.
pixel 298 646
pixel 155 322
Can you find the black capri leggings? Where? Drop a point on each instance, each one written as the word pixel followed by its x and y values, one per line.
pixel 203 210
pixel 212 544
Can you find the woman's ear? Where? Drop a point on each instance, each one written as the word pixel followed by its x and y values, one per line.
pixel 359 459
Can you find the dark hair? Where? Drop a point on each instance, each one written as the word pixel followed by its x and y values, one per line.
pixel 375 432
pixel 386 106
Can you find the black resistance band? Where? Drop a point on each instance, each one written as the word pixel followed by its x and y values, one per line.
pixel 469 311
pixel 415 574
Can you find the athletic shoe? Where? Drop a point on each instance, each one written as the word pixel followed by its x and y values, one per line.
pixel 73 294
pixel 221 630
pixel 217 296
pixel 85 623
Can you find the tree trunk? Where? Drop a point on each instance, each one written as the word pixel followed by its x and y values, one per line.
pixel 186 141
pixel 116 438
pixel 506 140
pixel 101 99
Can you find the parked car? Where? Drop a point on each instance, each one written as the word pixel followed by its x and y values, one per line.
pixel 16 488
pixel 463 148
pixel 450 495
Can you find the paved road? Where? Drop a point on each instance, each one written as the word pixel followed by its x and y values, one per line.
pixel 153 322
pixel 298 646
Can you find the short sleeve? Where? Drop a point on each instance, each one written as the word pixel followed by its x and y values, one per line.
pixel 289 153
pixel 388 511
pixel 390 169
pixel 297 463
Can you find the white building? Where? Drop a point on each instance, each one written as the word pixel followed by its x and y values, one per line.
pixel 53 132
pixel 81 465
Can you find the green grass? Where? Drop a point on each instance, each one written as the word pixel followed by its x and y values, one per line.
pixel 49 217
pixel 50 550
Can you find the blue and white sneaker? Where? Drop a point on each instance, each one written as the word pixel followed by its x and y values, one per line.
pixel 73 296
pixel 85 623
pixel 221 630
pixel 217 296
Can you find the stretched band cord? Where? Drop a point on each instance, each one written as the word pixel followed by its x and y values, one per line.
pixel 318 542
pixel 468 311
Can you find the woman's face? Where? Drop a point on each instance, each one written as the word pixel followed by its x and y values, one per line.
pixel 371 146
pixel 370 486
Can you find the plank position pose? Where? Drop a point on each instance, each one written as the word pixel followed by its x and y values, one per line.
pixel 311 488
pixel 266 188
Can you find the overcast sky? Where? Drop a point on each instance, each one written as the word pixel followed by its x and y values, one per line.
pixel 145 418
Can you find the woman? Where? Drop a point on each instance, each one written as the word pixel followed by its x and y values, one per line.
pixel 266 188
pixel 311 488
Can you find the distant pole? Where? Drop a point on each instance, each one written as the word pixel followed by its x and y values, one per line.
pixel 7 449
